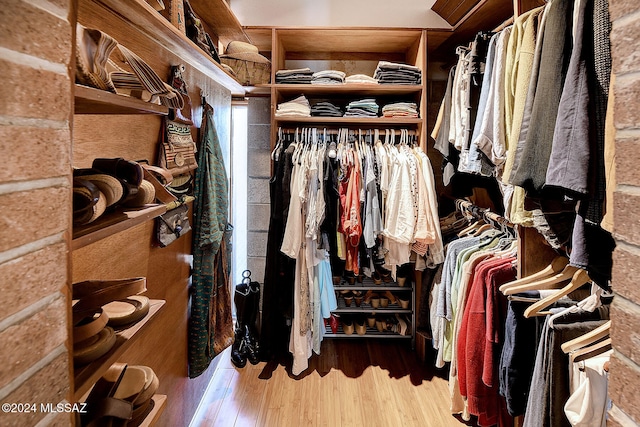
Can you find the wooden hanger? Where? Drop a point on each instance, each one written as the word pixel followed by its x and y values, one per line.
pixel 588 338
pixel 591 351
pixel 470 228
pixel 546 283
pixel 555 267
pixel 578 280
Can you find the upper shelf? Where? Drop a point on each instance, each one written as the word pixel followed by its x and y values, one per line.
pixel 370 40
pixel 90 100
pixel 144 17
pixel 219 16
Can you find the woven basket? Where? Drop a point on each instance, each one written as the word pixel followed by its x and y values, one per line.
pixel 249 73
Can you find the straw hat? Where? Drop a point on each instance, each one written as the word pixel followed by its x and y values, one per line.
pixel 244 51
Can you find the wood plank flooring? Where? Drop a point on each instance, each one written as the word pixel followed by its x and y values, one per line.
pixel 351 384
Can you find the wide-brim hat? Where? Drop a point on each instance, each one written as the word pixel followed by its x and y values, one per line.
pixel 245 52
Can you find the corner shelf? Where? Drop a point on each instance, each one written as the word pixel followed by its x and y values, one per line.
pixel 89 100
pixel 113 223
pixel 159 403
pixel 87 375
pixel 142 16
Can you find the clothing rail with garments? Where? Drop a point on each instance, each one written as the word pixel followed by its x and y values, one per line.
pixel 516 346
pixel 344 203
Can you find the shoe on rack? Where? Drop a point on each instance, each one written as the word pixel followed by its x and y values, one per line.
pixel 347 326
pixel 361 327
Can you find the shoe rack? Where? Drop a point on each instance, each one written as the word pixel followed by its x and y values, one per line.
pixel 122 243
pixel 366 307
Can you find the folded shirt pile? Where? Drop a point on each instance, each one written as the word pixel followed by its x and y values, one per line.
pixel 328 77
pixel 326 109
pixel 297 76
pixel 361 79
pixel 401 109
pixel 397 74
pixel 362 108
pixel 298 107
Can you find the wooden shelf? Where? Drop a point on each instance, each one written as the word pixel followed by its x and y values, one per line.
pixel 89 100
pixel 145 18
pixel 312 41
pixel 364 121
pixel 159 403
pixel 87 375
pixel 348 89
pixel 113 223
pixel 259 90
pixel 219 16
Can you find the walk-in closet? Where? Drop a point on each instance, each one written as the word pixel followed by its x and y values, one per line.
pixel 320 213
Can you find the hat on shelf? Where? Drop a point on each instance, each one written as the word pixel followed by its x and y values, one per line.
pixel 250 68
pixel 245 52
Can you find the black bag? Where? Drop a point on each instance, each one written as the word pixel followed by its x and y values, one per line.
pixel 197 34
pixel 172 225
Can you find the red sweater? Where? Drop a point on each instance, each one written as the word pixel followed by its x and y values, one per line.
pixel 480 340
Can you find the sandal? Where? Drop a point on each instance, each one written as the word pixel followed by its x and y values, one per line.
pixel 122 397
pixel 89 203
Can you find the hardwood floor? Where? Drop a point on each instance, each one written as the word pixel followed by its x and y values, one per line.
pixel 352 383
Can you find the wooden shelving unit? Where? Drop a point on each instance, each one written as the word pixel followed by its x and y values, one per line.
pixel 114 222
pixel 87 375
pixel 143 17
pixel 361 49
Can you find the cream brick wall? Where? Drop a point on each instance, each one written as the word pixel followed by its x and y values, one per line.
pixel 624 386
pixel 35 201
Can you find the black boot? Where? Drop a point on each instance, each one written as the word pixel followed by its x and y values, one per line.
pixel 253 305
pixel 239 348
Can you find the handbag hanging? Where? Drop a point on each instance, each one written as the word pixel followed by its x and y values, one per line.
pixel 177 148
pixel 172 225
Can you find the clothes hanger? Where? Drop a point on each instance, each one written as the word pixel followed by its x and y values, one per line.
pixel 579 279
pixel 588 338
pixel 592 351
pixel 556 270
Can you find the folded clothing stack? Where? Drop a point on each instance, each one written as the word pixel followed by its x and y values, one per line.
pixel 328 77
pixel 297 76
pixel 362 108
pixel 326 109
pixel 298 107
pixel 361 79
pixel 401 109
pixel 398 74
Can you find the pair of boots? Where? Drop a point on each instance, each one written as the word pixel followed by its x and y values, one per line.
pixel 245 345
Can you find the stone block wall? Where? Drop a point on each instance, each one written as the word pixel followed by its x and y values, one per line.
pixel 259 172
pixel 624 384
pixel 35 201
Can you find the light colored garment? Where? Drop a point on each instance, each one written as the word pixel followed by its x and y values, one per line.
pixel 400 220
pixel 588 404
pixel 491 140
pixel 360 79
